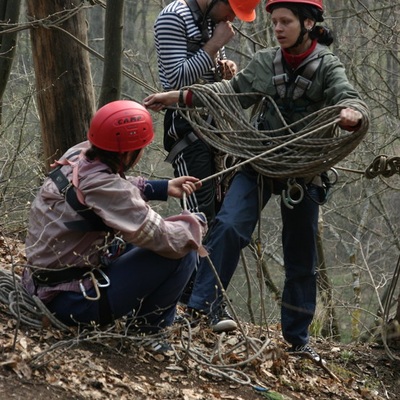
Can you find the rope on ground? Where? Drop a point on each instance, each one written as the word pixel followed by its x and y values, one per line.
pixel 28 309
pixel 302 149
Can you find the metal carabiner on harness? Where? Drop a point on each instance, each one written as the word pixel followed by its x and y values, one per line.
pixel 335 174
pixel 294 193
pixel 96 284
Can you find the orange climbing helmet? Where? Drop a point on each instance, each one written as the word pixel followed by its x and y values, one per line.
pixel 316 3
pixel 245 10
pixel 121 126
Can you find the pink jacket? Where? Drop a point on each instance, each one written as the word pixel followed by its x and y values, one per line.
pixel 121 203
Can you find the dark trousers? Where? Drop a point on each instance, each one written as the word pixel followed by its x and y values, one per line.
pixel 198 160
pixel 232 231
pixel 143 285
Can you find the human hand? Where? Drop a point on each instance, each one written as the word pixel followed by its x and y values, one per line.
pixel 349 117
pixel 222 34
pixel 158 101
pixel 228 69
pixel 183 184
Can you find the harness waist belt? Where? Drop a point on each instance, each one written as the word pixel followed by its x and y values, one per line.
pixel 43 277
pixel 181 145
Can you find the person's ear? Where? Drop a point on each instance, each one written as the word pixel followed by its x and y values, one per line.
pixel 309 24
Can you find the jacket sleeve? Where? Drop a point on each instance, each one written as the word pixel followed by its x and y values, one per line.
pixel 339 91
pixel 172 48
pixel 123 207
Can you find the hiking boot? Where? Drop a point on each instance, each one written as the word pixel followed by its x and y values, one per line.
pixel 222 321
pixel 306 350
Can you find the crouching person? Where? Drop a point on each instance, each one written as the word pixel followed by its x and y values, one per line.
pixel 96 250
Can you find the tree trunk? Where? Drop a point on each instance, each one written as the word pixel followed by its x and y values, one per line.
pixel 63 79
pixel 9 12
pixel 111 86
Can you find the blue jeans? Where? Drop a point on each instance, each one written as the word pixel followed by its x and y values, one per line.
pixel 232 231
pixel 143 284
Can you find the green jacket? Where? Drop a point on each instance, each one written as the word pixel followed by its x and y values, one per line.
pixel 330 86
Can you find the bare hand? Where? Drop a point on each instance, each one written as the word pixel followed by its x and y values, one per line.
pixel 223 32
pixel 187 184
pixel 349 117
pixel 228 69
pixel 158 101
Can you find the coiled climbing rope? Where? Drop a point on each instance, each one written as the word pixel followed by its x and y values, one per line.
pixel 304 148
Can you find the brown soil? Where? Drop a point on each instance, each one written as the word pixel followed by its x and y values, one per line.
pixel 49 364
pixel 33 367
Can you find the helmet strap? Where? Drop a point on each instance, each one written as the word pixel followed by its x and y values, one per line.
pixel 300 39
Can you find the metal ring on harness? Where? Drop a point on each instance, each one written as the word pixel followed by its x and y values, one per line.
pixel 335 176
pixel 287 194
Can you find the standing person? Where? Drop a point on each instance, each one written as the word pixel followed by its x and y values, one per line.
pixel 96 250
pixel 277 72
pixel 190 36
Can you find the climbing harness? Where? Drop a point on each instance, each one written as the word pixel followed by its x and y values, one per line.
pixel 201 22
pixel 90 222
pixel 302 82
pixel 295 191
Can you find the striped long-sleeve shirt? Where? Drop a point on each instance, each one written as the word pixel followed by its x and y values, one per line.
pixel 179 63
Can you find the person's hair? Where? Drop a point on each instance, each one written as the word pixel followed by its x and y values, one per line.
pixel 110 158
pixel 304 11
pixel 323 35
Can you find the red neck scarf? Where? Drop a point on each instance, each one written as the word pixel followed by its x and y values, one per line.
pixel 294 60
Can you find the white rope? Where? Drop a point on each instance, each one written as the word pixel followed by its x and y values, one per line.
pixel 301 149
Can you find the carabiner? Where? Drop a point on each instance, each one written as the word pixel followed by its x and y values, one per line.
pixel 105 277
pixel 335 176
pixel 95 285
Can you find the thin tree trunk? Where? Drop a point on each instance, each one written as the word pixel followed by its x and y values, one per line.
pixel 330 326
pixel 113 45
pixel 9 12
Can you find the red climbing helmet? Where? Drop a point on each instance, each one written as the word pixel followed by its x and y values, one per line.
pixel 245 10
pixel 120 126
pixel 316 3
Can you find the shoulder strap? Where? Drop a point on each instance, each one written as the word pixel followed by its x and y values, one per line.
pixel 91 221
pixel 200 22
pixel 280 78
pixel 303 81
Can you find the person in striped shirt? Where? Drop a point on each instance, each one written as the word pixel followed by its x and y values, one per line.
pixel 190 37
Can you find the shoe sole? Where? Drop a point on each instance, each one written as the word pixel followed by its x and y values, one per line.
pixel 224 326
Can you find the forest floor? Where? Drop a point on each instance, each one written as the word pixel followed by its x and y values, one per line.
pixel 250 364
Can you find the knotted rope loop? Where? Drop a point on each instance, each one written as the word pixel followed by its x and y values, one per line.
pixel 383 165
